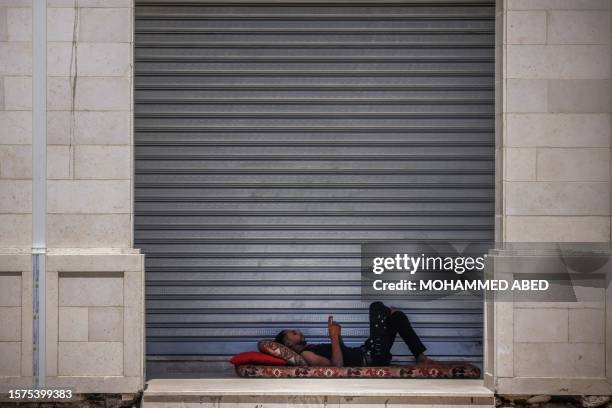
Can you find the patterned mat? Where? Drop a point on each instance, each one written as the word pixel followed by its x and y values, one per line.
pixel 438 370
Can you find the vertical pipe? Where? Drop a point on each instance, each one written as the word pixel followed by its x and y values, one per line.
pixel 39 185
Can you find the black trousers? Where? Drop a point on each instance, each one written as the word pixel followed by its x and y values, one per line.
pixel 384 327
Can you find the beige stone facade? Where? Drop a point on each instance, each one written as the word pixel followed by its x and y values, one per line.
pixel 554 170
pixel 94 308
pixel 16 196
pixel 553 185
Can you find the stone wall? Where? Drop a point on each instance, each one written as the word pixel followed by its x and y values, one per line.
pixel 95 309
pixel 95 322
pixel 15 125
pixel 89 135
pixel 556 120
pixel 553 138
pixel 15 193
pixel 553 184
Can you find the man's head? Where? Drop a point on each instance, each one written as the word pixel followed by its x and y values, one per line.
pixel 294 339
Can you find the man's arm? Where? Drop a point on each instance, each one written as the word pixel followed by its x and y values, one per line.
pixel 334 336
pixel 316 360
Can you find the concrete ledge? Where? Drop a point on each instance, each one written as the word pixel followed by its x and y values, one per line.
pixel 318 401
pixel 96 385
pixel 346 387
pixel 15 262
pixel 82 261
pixel 12 383
pixel 554 386
pixel 311 392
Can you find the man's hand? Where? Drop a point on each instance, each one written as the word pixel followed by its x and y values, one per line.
pixel 333 328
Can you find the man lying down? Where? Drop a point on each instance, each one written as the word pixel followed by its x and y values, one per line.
pixel 385 324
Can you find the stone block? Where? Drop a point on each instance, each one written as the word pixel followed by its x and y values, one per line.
pixel 520 164
pixel 15 3
pixel 15 58
pixel 578 27
pixel 53 320
pixel 106 263
pixel 16 230
pixel 585 298
pixel 106 324
pixel 96 290
pixel 557 198
pixel 10 323
pixel 558 4
pixel 421 401
pixel 59 93
pixel 16 197
pixel 573 164
pixel 60 23
pixel 89 196
pixel 558 61
pixel 58 162
pixel 526 27
pixel 103 162
pixel 542 360
pixel 526 95
pixel 15 161
pixel 10 289
pixel 105 25
pixel 504 336
pixel 26 324
pixel 1 91
pixel 15 263
pixel 108 93
pixel 579 95
pixel 499 173
pixel 99 128
pixel 89 231
pixel 18 93
pixel 133 288
pixel 105 3
pixel 73 324
pixel 3 25
pixel 499 228
pixel 90 3
pixel 60 59
pixel 61 3
pixel 19 23
pixel 558 130
pixel 109 59
pixel 90 358
pixel 59 125
pixel 10 362
pixel 540 325
pixel 16 127
pixel 97 385
pixel 553 386
pixel 133 341
pixel 488 335
pixel 608 328
pixel 557 229
pixel 587 325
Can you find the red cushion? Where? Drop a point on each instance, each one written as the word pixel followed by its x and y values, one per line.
pixel 255 357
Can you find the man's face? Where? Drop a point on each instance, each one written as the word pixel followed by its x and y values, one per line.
pixel 294 338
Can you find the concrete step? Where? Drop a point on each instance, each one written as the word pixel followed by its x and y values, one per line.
pixel 315 392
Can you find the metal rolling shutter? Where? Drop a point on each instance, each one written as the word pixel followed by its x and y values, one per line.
pixel 272 139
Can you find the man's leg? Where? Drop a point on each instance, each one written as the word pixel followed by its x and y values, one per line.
pixel 399 323
pixel 382 335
